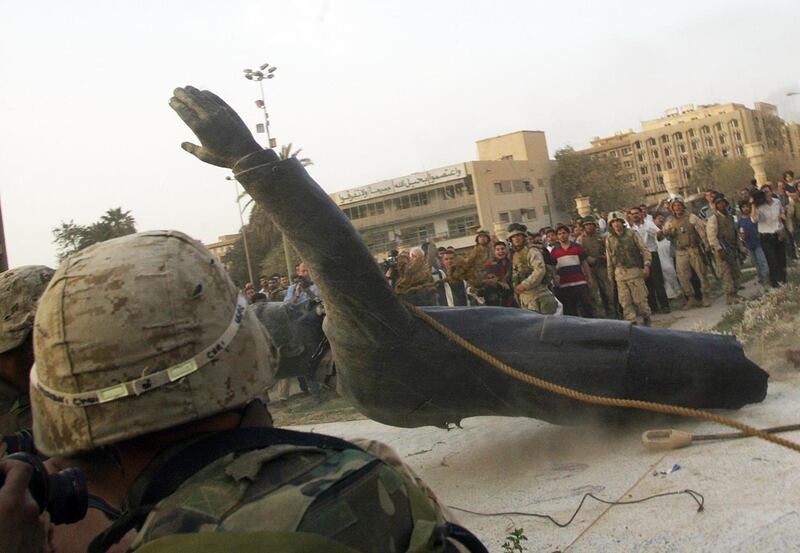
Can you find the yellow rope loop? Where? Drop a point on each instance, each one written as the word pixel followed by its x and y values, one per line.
pixel 598 400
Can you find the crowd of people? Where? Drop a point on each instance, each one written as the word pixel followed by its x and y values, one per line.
pixel 625 265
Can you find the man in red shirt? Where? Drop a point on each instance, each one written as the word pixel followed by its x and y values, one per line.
pixel 573 276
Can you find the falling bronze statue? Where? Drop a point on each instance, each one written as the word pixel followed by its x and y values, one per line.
pixel 398 370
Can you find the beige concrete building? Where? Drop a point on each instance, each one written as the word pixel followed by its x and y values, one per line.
pixel 223 245
pixel 674 143
pixel 510 182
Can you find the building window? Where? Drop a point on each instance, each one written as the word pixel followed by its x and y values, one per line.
pixel 641 157
pixel 695 145
pixel 628 164
pixel 667 151
pixel 738 136
pixel 643 169
pixel 687 174
pixel 722 139
pixel 521 186
pixel 377 241
pixel 718 126
pixel 690 133
pixel 678 135
pixel 684 160
pixel 366 210
pixel 626 151
pixel 502 187
pixel 505 217
pixel 704 129
pixel 655 154
pixel 637 145
pixel 416 199
pixel 528 214
pixel 459 226
pixel 540 183
pixel 724 152
pixel 417 234
pixel 658 166
pixel 664 139
pixel 739 150
pixel 646 183
pixel 660 179
pixel 734 123
pixel 709 142
pixel 682 148
pixel 651 141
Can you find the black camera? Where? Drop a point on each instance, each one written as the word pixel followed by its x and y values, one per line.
pixel 21 441
pixel 64 495
pixel 759 196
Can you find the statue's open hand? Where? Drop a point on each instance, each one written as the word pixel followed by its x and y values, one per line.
pixel 224 137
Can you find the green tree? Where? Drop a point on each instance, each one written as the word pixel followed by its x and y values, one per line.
pixel 263 237
pixel 726 175
pixel 70 237
pixel 602 179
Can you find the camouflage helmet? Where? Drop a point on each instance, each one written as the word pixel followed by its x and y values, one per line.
pixel 615 215
pixel 589 220
pixel 138 334
pixel 20 289
pixel 677 199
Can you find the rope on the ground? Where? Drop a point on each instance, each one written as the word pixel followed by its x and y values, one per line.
pixel 598 400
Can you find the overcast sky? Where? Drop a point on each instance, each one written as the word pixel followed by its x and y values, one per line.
pixel 370 90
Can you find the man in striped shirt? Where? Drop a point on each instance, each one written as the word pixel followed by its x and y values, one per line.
pixel 573 276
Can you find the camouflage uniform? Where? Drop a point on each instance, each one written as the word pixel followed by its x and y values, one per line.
pixel 627 255
pixel 113 365
pixel 723 240
pixel 595 246
pixel 529 269
pixel 688 234
pixel 20 289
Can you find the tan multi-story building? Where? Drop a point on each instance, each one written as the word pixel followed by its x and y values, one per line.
pixel 510 182
pixel 676 142
pixel 223 245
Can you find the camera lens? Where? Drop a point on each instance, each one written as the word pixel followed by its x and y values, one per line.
pixel 18 442
pixel 69 497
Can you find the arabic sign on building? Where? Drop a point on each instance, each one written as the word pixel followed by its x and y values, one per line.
pixel 400 184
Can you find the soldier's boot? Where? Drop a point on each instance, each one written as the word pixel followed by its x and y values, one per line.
pixel 646 320
pixel 706 301
pixel 691 302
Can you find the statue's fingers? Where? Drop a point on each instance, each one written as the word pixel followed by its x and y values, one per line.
pixel 193 149
pixel 192 98
pixel 188 115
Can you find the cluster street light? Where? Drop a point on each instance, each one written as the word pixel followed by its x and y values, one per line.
pixel 266 71
pixel 263 72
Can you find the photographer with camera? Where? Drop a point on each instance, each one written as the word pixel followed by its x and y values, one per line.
pixel 302 288
pixel 768 213
pixel 23 529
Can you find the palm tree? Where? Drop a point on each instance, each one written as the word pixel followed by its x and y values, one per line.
pixel 286 153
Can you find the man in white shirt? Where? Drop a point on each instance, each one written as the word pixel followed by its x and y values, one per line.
pixel 649 233
pixel 769 215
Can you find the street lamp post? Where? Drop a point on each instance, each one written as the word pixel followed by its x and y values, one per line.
pixel 242 231
pixel 265 71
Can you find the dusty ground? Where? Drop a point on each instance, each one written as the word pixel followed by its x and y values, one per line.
pixel 493 464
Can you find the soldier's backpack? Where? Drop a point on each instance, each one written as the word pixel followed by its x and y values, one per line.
pixel 270 489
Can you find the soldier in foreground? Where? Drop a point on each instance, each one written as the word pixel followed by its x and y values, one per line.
pixel 147 377
pixel 20 289
pixel 529 273
pixel 595 246
pixel 724 242
pixel 628 266
pixel 688 234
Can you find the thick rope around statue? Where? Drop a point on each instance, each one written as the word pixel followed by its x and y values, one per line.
pixel 598 400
